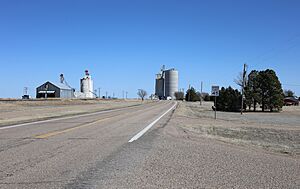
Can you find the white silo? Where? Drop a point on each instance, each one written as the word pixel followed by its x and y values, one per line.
pixel 86 85
pixel 171 83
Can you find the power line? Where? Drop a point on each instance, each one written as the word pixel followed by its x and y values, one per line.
pixel 275 51
pixel 295 85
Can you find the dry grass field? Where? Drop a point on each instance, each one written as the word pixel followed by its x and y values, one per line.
pixel 18 111
pixel 275 132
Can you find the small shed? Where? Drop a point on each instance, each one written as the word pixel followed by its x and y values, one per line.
pixel 54 90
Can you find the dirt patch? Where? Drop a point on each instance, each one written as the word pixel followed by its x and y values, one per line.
pixel 277 132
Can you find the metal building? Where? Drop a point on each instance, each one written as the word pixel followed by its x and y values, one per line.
pixel 54 90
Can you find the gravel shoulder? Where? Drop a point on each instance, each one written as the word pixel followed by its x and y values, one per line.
pixel 275 132
pixel 170 156
pixel 17 111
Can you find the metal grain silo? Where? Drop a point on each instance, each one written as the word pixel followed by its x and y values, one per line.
pixel 159 86
pixel 171 83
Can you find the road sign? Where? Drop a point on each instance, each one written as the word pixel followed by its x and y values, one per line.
pixel 215 91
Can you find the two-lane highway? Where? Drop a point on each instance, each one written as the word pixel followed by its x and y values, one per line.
pixel 59 152
pixel 134 147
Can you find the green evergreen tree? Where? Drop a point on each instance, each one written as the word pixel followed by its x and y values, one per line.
pixel 271 92
pixel 229 100
pixel 191 95
pixel 252 91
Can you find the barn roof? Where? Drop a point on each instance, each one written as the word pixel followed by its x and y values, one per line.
pixel 62 86
pixel 59 85
pixel 291 99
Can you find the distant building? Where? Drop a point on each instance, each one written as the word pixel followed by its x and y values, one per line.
pixel 54 90
pixel 291 101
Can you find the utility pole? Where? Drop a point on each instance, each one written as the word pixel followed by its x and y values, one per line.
pixel 123 94
pixel 99 91
pixel 215 107
pixel 243 86
pixel 201 93
pixel 126 94
pixel 189 92
pixel 106 94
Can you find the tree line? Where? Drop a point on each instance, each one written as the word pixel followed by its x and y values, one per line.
pixel 262 89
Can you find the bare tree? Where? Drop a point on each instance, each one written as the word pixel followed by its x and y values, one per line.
pixel 239 80
pixel 179 95
pixel 142 94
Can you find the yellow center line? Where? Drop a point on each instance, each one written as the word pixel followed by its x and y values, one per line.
pixel 54 133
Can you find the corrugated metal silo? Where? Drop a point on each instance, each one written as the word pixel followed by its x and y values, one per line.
pixel 171 83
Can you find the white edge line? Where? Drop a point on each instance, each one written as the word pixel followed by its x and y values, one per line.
pixel 142 132
pixel 58 119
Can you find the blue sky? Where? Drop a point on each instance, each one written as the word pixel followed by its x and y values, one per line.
pixel 124 43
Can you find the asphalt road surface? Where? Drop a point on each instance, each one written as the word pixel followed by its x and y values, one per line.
pixel 134 147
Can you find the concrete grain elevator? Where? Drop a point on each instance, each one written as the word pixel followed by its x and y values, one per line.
pixel 86 86
pixel 166 83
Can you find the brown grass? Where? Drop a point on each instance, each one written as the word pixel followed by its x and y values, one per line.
pixel 277 132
